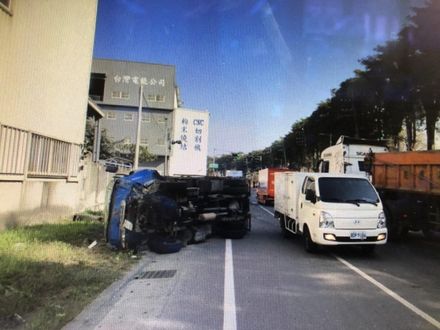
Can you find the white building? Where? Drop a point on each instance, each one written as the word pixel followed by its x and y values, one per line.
pixel 45 64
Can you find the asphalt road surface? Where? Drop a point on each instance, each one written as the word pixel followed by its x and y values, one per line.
pixel 265 281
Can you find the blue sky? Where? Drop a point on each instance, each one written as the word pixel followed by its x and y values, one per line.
pixel 256 66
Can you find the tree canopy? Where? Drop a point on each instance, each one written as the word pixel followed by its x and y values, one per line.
pixel 397 88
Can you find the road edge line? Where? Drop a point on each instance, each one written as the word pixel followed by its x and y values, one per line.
pixel 391 293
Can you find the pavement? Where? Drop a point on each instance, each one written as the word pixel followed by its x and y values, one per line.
pixel 265 281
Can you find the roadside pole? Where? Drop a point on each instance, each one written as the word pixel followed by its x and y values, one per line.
pixel 165 164
pixel 138 133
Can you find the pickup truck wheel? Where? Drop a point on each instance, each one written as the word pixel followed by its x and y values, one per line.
pixel 309 245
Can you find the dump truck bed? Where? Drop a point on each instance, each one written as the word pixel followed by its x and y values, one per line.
pixel 413 171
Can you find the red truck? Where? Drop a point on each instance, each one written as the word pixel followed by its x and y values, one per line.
pixel 409 186
pixel 266 184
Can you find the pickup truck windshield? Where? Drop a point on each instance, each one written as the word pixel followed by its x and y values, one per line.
pixel 346 190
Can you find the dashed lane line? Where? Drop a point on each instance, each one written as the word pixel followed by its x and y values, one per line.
pixel 389 292
pixel 264 209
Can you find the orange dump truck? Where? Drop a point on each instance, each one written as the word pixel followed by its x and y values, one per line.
pixel 266 184
pixel 409 186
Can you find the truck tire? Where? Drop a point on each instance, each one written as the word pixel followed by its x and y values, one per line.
pixel 396 230
pixel 284 231
pixel 309 245
pixel 164 245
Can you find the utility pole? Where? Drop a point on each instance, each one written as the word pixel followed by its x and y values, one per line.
pixel 165 164
pixel 138 133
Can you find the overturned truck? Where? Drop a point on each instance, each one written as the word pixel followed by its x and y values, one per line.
pixel 170 212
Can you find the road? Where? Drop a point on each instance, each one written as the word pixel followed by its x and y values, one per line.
pixel 266 281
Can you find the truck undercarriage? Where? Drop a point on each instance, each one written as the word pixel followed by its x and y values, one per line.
pixel 170 212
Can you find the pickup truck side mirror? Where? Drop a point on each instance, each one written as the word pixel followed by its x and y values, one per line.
pixel 311 196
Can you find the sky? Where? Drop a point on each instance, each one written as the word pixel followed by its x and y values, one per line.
pixel 256 66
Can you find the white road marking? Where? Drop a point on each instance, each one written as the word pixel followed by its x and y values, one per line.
pixel 229 310
pixel 389 292
pixel 264 209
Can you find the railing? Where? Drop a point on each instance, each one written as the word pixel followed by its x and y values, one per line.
pixel 26 154
pixel 13 146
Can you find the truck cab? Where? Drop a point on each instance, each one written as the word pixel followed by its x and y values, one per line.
pixel 330 209
pixel 341 209
pixel 348 154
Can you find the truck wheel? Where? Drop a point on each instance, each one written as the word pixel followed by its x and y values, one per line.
pixel 164 245
pixel 396 231
pixel 309 245
pixel 284 231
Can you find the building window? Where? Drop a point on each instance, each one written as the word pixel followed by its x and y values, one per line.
pixel 97 84
pixel 111 115
pixel 144 141
pixel 6 4
pixel 120 95
pixel 155 98
pixel 146 118
pixel 128 116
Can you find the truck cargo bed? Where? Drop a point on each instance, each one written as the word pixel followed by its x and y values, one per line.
pixel 413 171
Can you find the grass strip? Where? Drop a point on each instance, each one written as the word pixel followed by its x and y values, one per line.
pixel 48 274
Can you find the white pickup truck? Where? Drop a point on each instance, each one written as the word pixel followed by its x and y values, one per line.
pixel 330 209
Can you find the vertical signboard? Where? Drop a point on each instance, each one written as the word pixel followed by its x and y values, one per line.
pixel 189 145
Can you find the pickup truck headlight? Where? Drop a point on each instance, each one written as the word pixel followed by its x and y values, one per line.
pixel 326 220
pixel 381 220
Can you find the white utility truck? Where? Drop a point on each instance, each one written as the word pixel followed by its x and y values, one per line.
pixel 348 154
pixel 330 209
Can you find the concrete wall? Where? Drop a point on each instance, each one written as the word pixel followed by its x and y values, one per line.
pixel 35 201
pixel 93 186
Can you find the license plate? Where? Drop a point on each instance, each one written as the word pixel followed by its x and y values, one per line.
pixel 358 235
